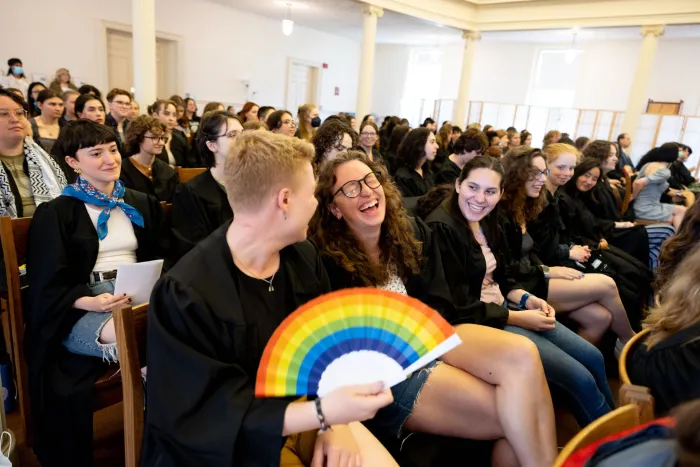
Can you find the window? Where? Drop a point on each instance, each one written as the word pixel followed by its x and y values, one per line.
pixel 424 71
pixel 556 74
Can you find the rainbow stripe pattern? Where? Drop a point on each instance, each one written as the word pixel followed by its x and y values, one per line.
pixel 351 336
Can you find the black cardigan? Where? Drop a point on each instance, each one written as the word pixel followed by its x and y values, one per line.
pixel 671 369
pixel 165 179
pixel 61 253
pixel 203 358
pixel 449 172
pixel 200 206
pixel 429 286
pixel 525 271
pixel 465 266
pixel 183 154
pixel 411 183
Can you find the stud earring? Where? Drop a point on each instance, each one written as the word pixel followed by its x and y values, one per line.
pixel 285 216
pixel 78 171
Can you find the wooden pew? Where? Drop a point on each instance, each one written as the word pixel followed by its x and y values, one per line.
pixel 632 393
pixel 188 174
pixel 14 238
pixel 131 324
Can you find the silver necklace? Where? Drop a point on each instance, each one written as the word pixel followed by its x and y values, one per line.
pixel 271 288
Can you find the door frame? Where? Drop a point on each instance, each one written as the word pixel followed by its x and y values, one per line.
pixel 316 89
pixel 103 66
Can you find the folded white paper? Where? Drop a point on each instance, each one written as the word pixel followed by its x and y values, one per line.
pixel 137 280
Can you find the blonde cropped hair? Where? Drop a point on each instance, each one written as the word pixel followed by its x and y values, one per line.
pixel 679 307
pixel 260 162
pixel 553 151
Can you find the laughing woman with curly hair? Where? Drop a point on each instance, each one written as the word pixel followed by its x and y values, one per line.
pixel 366 240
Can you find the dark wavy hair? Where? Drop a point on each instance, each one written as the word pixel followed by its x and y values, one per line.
pixel 274 120
pixel 471 140
pixel 397 242
pixel 678 246
pixel 518 165
pixel 598 149
pixel 90 89
pixel 211 126
pixel 397 137
pixel 31 102
pixel 84 99
pixel 412 148
pixel 667 152
pixel 328 135
pixel 447 193
pixel 581 142
pixel 581 168
pixel 81 134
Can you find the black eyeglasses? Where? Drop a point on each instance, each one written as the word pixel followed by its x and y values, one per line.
pixel 353 188
pixel 155 139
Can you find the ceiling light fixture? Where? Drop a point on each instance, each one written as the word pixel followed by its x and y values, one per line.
pixel 287 23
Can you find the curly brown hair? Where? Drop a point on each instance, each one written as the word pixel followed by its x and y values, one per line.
pixel 598 149
pixel 328 135
pixel 678 246
pixel 138 129
pixel 397 242
pixel 518 166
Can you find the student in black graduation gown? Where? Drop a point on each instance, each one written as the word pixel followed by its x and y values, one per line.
pixel 367 240
pixel 555 231
pixel 469 145
pixel 176 151
pixel 464 226
pixel 331 138
pixel 213 313
pixel 668 362
pixel 142 170
pixel 76 243
pixel 413 175
pixel 369 133
pixel 591 300
pixel 200 205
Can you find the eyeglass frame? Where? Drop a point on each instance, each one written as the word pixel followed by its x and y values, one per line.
pixel 533 173
pixel 377 175
pixel 17 113
pixel 163 138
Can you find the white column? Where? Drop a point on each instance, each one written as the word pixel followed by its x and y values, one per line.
pixel 459 116
pixel 143 14
pixel 369 34
pixel 638 92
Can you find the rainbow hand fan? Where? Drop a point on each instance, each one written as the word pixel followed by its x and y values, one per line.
pixel 351 336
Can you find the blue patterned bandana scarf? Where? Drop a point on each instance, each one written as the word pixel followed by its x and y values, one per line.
pixel 87 193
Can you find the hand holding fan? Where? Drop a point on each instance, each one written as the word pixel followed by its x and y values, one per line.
pixel 349 337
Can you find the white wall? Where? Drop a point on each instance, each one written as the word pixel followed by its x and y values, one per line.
pixel 220 47
pixel 502 72
pixel 390 69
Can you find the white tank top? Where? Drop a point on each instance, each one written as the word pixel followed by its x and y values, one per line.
pixel 119 246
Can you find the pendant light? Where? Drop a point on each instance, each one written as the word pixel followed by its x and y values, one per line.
pixel 287 23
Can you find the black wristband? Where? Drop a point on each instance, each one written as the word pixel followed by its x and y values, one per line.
pixel 321 417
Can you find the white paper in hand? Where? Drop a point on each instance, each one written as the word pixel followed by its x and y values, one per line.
pixel 137 280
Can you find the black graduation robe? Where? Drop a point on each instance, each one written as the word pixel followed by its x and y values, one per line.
pixel 671 369
pixel 165 179
pixel 464 265
pixel 411 183
pixel 61 253
pixel 183 154
pixel 449 172
pixel 429 286
pixel 200 206
pixel 526 270
pixel 203 360
pixel 681 177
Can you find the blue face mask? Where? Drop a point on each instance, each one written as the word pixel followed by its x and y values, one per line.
pixel 681 155
pixel 18 70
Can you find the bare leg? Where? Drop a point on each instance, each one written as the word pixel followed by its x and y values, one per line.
pixel 677 216
pixel 567 295
pixel 108 334
pixel 594 321
pixel 371 450
pixel 503 454
pixel 526 416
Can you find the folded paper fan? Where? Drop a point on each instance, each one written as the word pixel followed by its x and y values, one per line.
pixel 348 337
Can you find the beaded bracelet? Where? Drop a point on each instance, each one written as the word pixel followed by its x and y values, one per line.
pixel 321 417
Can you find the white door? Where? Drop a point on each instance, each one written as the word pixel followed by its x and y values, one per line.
pixel 300 86
pixel 120 63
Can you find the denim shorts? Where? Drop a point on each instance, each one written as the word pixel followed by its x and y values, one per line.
pixel 84 337
pixel 392 418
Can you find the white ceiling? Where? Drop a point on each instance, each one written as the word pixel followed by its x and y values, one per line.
pixel 344 18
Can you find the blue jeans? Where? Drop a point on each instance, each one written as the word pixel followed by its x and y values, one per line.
pixel 84 337
pixel 575 368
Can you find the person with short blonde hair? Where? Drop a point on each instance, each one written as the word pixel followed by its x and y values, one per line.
pixel 211 315
pixel 255 166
